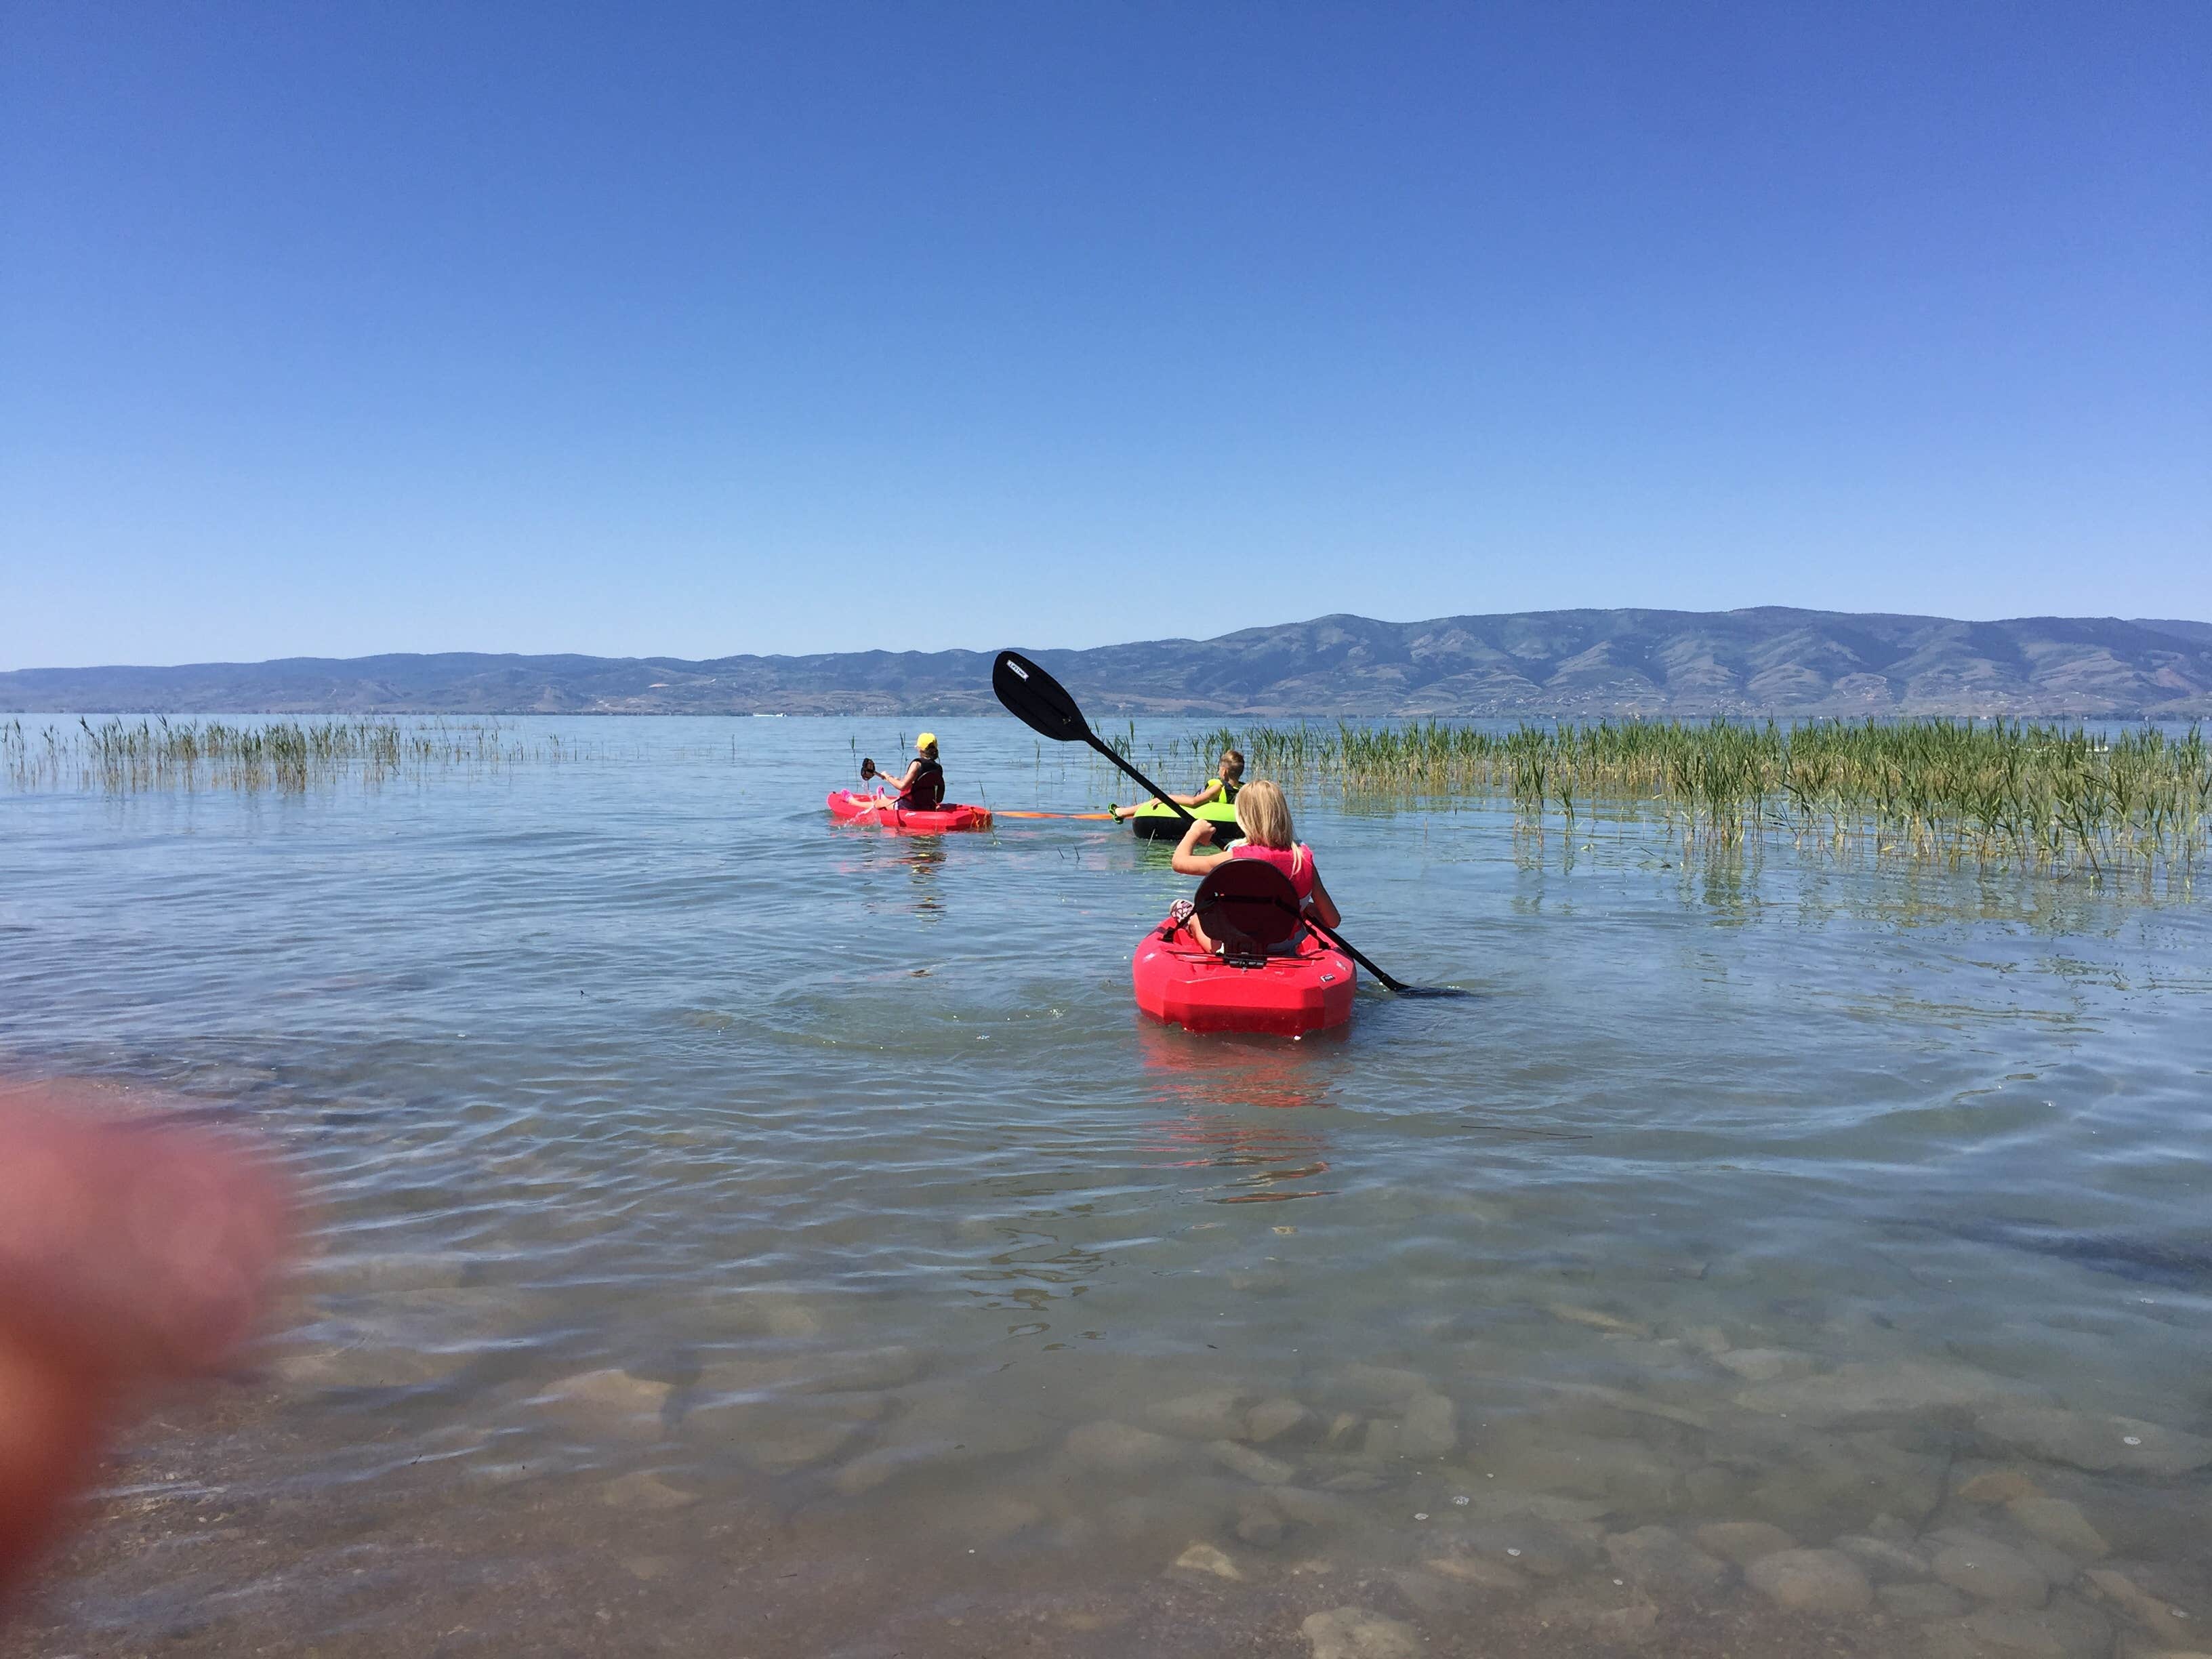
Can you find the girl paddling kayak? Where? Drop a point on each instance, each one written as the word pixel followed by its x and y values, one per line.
pixel 1265 818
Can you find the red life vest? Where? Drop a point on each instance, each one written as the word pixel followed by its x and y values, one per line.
pixel 1296 862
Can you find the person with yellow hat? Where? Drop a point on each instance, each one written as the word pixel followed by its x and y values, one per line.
pixel 921 786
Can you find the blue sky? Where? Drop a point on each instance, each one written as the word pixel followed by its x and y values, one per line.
pixel 660 328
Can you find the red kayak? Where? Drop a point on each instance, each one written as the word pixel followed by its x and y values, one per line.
pixel 845 804
pixel 1287 995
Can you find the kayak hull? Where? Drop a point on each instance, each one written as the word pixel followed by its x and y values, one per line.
pixel 1286 996
pixel 1165 824
pixel 851 808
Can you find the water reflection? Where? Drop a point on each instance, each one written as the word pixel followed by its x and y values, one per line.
pixel 921 858
pixel 1264 1164
pixel 1192 1072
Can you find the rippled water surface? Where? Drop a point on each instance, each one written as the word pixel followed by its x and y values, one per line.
pixel 743 1234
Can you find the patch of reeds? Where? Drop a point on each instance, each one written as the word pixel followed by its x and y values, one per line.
pixel 283 756
pixel 1996 792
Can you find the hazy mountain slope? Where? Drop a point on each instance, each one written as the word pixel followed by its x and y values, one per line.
pixel 1763 660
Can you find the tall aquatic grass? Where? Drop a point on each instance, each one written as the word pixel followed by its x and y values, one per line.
pixel 1998 792
pixel 282 757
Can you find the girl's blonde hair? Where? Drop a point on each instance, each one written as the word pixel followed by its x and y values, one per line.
pixel 1264 815
pixel 1232 765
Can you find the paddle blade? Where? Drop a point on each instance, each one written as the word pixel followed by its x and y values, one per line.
pixel 1038 701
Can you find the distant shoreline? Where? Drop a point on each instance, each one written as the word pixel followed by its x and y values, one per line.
pixel 1768 662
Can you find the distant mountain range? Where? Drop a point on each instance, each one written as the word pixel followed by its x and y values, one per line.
pixel 1760 661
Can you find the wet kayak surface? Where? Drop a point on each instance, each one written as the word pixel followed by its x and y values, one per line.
pixel 732 1222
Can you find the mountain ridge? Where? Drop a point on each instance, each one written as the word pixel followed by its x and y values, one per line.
pixel 1764 659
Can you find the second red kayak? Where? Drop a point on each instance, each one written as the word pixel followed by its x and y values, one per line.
pixel 847 805
pixel 1286 995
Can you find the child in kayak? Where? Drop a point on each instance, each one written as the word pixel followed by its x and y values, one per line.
pixel 1265 818
pixel 921 788
pixel 1222 787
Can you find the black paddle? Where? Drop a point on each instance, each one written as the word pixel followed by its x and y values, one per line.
pixel 1041 703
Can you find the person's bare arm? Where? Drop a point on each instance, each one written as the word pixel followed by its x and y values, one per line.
pixel 1188 859
pixel 1322 906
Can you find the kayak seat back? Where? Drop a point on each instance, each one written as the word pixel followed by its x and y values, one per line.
pixel 1249 908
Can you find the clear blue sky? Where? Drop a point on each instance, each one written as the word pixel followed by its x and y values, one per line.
pixel 696 329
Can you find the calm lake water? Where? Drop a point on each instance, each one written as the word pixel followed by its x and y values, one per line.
pixel 741 1234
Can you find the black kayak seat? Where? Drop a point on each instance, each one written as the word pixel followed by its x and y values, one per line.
pixel 1249 908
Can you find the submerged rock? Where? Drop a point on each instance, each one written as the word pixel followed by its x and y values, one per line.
pixel 1358 1633
pixel 1765 1365
pixel 979 1426
pixel 1206 1561
pixel 1260 1523
pixel 1659 1556
pixel 2166 1621
pixel 1997 1486
pixel 1254 1465
pixel 1530 1543
pixel 1209 1414
pixel 1865 1393
pixel 781 1444
pixel 906 1459
pixel 1814 1482
pixel 1989 1571
pixel 1811 1580
pixel 1281 1420
pixel 1625 1475
pixel 1596 1319
pixel 1743 1541
pixel 1883 1561
pixel 2059 1523
pixel 613 1399
pixel 1430 1426
pixel 1353 1481
pixel 1110 1447
pixel 370 1359
pixel 2085 1440
pixel 644 1491
pixel 1376 1388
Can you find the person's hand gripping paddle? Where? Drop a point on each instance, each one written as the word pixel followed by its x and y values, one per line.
pixel 1041 703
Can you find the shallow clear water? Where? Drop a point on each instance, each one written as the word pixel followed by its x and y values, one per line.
pixel 734 1223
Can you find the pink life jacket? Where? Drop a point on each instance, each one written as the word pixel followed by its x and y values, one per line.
pixel 1296 862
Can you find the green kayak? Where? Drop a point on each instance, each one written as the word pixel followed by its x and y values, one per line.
pixel 1165 823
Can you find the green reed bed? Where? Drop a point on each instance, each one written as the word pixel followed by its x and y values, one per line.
pixel 282 756
pixel 1999 790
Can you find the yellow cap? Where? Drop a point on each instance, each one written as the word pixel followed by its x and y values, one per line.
pixel 926 740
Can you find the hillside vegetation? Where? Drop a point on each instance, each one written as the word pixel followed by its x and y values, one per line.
pixel 1534 664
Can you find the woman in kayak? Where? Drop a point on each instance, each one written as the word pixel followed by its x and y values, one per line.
pixel 1222 787
pixel 1265 818
pixel 921 788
